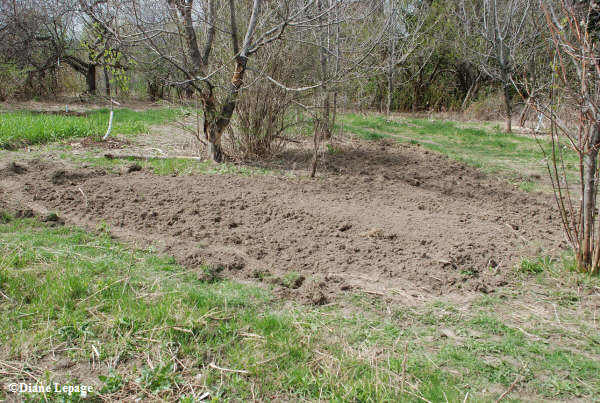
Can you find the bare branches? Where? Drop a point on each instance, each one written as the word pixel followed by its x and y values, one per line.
pixel 499 39
pixel 574 89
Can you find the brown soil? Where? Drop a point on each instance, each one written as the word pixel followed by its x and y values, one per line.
pixel 384 218
pixel 113 143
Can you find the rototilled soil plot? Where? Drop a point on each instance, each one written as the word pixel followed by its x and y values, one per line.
pixel 396 220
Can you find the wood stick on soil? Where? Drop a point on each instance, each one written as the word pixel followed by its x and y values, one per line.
pixel 237 371
pixel 84 197
pixel 510 388
pixel 404 368
pixel 6 296
pixel 148 157
pixel 102 289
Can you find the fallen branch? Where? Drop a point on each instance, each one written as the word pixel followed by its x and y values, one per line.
pixel 6 296
pixel 404 368
pixel 374 293
pixel 84 197
pixel 510 388
pixel 237 371
pixel 287 139
pixel 102 289
pixel 148 157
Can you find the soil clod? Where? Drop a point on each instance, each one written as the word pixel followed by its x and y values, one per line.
pixel 134 168
pixel 16 168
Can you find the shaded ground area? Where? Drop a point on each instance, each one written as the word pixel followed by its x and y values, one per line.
pixel 385 218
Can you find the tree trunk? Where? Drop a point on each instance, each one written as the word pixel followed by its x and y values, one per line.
pixel 590 166
pixel 508 108
pixel 334 113
pixel 215 150
pixel 316 142
pixel 415 100
pixel 390 90
pixel 90 79
pixel 107 82
pixel 325 118
pixel 471 93
pixel 524 113
pixel 213 134
pixel 217 118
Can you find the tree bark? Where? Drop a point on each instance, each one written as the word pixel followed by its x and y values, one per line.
pixel 212 132
pixel 216 119
pixel 316 142
pixel 524 113
pixel 90 79
pixel 390 91
pixel 508 108
pixel 590 166
pixel 107 82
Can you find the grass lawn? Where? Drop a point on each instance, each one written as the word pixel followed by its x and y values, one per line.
pixel 137 325
pixel 516 157
pixel 25 128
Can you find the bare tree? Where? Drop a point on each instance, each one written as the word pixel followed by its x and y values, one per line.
pixel 497 38
pixel 574 88
pixel 212 45
pixel 197 51
pixel 406 34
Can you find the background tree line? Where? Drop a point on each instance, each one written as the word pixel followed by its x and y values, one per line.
pixel 387 55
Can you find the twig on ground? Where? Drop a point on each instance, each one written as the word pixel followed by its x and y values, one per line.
pixel 84 197
pixel 20 370
pixel 404 367
pixel 270 359
pixel 150 157
pixel 102 289
pixel 237 371
pixel 6 296
pixel 510 388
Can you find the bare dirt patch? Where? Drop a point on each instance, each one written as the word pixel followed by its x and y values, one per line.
pixel 384 218
pixel 113 143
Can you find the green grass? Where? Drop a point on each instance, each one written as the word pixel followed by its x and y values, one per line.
pixel 516 157
pixel 153 329
pixel 169 166
pixel 25 128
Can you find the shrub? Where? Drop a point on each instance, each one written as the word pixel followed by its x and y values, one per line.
pixel 12 79
pixel 488 107
pixel 259 125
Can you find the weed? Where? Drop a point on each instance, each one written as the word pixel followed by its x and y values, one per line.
pixel 5 217
pixel 112 382
pixel 527 186
pixel 332 150
pixel 103 227
pixel 159 379
pixel 211 274
pixel 292 280
pixel 468 272
pixel 533 266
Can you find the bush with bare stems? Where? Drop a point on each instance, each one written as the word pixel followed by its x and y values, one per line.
pixel 574 86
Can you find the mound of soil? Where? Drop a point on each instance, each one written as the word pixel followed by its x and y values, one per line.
pixel 386 219
pixel 112 143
